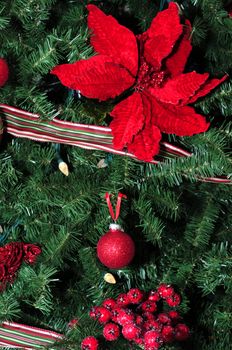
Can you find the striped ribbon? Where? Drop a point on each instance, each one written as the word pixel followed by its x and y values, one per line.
pixel 21 123
pixel 15 335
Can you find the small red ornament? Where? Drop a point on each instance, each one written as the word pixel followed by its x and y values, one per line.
pixel 109 304
pixel 111 331
pixel 130 331
pixel 165 291
pixel 123 300
pixel 174 300
pixel 89 343
pixel 4 72
pixel 182 332
pixel 93 312
pixel 116 248
pixel 135 295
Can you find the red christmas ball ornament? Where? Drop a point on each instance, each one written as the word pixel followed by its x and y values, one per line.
pixel 130 331
pixel 174 300
pixel 182 332
pixel 135 295
pixel 111 331
pixel 89 343
pixel 123 300
pixel 116 248
pixel 165 291
pixel 109 304
pixel 168 334
pixel 4 72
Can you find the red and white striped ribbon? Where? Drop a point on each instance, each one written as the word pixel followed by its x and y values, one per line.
pixel 24 124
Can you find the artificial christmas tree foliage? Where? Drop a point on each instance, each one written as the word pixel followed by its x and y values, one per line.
pixel 180 225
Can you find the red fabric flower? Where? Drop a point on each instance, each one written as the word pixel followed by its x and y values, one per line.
pixel 30 253
pixel 11 258
pixel 152 64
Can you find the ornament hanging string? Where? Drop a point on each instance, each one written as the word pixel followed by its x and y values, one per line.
pixel 118 205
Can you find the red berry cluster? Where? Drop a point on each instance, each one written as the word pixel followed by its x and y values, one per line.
pixel 135 315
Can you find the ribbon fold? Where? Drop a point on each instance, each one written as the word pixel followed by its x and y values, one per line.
pixel 118 205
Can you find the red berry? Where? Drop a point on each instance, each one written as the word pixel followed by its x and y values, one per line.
pixel 174 315
pixel 89 343
pixel 111 331
pixel 152 325
pixel 138 341
pixel 139 320
pixel 109 304
pixel 182 332
pixel 103 315
pixel 174 300
pixel 156 346
pixel 93 312
pixel 164 318
pixel 73 323
pixel 115 312
pixel 168 334
pixel 125 316
pixel 148 316
pixel 154 296
pixel 152 338
pixel 123 300
pixel 135 295
pixel 165 291
pixel 149 306
pixel 130 331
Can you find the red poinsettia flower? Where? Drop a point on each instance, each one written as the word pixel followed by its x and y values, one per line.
pixel 152 64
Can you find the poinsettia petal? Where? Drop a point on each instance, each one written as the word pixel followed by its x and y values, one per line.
pixel 178 120
pixel 180 89
pixel 206 88
pixel 96 77
pixel 128 120
pixel 162 35
pixel 112 39
pixel 145 144
pixel 177 61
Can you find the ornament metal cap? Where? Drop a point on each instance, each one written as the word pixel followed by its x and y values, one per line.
pixel 116 227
